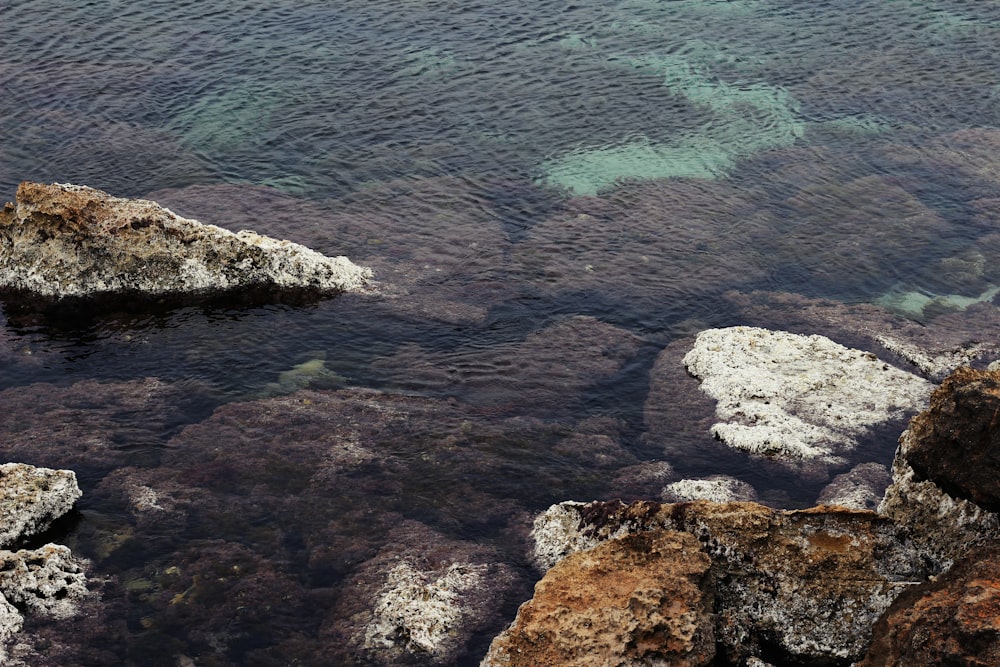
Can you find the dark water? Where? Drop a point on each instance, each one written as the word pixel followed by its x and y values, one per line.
pixel 503 168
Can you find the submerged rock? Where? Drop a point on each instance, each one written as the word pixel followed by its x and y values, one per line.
pixel 93 425
pixel 639 600
pixel 546 373
pixel 797 397
pixel 70 241
pixel 419 601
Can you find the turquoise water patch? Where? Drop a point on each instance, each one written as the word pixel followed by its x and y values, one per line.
pixel 744 119
pixel 918 304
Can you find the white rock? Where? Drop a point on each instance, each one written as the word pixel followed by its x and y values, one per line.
pixel 718 489
pixel 49 580
pixel 31 498
pixel 798 397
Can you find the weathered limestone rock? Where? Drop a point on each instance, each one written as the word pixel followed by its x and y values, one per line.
pixel 945 467
pixel 798 397
pixel 953 620
pixel 31 498
pixel 640 600
pixel 48 581
pixel 803 585
pixel 69 240
pixel 931 348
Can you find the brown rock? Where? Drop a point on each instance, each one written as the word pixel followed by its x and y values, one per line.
pixel 798 586
pixel 639 600
pixel 956 442
pixel 954 620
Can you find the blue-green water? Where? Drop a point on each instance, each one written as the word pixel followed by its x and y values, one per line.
pixel 503 167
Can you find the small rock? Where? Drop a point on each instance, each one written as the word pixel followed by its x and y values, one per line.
pixel 861 488
pixel 31 498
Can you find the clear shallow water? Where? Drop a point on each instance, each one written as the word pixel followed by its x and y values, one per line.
pixel 503 168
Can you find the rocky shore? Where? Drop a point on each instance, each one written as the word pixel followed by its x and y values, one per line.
pixel 308 522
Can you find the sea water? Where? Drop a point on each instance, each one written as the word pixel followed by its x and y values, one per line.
pixel 505 167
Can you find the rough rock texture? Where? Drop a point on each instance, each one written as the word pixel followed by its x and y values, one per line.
pixel 789 586
pixel 48 581
pixel 420 600
pixel 861 488
pixel 69 240
pixel 953 620
pixel 31 498
pixel 717 488
pixel 956 443
pixel 644 599
pixel 942 469
pixel 932 348
pixel 797 397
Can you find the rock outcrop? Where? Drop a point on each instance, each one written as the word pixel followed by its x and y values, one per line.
pixel 792 587
pixel 798 397
pixel 944 487
pixel 953 620
pixel 644 599
pixel 70 241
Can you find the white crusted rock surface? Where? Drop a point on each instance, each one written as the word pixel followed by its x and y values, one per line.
pixel 48 580
pixel 417 612
pixel 798 397
pixel 717 488
pixel 69 240
pixel 31 498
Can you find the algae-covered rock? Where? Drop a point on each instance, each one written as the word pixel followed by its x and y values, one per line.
pixel 420 600
pixel 70 241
